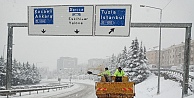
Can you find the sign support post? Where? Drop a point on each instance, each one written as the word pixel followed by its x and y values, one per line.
pixel 9 52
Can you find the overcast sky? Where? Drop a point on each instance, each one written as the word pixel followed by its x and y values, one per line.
pixel 47 49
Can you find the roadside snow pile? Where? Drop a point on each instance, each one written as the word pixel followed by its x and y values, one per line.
pixel 168 89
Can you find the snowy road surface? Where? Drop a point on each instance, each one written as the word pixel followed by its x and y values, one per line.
pixel 79 90
pixel 85 89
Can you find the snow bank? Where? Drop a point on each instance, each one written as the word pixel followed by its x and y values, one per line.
pixel 168 89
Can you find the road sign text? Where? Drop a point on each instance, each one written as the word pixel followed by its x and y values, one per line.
pixel 43 16
pixel 112 17
pixel 76 9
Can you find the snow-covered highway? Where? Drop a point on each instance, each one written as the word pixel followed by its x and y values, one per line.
pixel 86 89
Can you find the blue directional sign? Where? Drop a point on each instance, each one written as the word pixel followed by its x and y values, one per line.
pixel 61 20
pixel 43 15
pixel 112 17
pixel 113 20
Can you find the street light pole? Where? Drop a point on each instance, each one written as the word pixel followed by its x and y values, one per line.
pixel 158 91
pixel 4 52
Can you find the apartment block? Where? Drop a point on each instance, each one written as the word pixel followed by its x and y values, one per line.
pixel 171 56
pixel 65 63
pixel 95 62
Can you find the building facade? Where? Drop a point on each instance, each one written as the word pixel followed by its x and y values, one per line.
pixel 66 62
pixel 172 56
pixel 152 57
pixel 92 63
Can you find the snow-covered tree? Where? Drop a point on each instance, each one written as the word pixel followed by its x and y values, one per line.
pixel 123 58
pixel 145 58
pixel 119 58
pixel 133 61
pixel 143 69
pixel 2 71
pixel 113 63
pixel 31 74
pixel 35 75
pixel 28 73
pixel 15 72
pixel 21 73
pixel 137 69
pixel 1 61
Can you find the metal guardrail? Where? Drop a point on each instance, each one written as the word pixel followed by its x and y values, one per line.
pixel 170 70
pixel 13 92
pixel 176 75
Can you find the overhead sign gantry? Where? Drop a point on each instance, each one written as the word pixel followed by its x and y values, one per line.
pixel 79 20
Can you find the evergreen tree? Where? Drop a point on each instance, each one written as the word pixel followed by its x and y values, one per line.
pixel 141 54
pixel 15 72
pixel 29 73
pixel 1 61
pixel 35 74
pixel 134 52
pixel 145 58
pixel 119 57
pixel 136 69
pixel 15 69
pixel 143 69
pixel 21 73
pixel 113 63
pixel 2 71
pixel 124 58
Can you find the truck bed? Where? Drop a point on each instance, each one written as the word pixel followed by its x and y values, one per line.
pixel 115 89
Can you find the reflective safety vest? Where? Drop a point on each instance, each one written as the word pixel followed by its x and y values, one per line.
pixel 107 72
pixel 117 73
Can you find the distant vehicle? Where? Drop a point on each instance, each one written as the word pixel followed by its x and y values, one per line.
pixel 152 66
pixel 174 67
pixel 179 67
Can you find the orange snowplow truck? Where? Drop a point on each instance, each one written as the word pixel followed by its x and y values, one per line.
pixel 124 89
